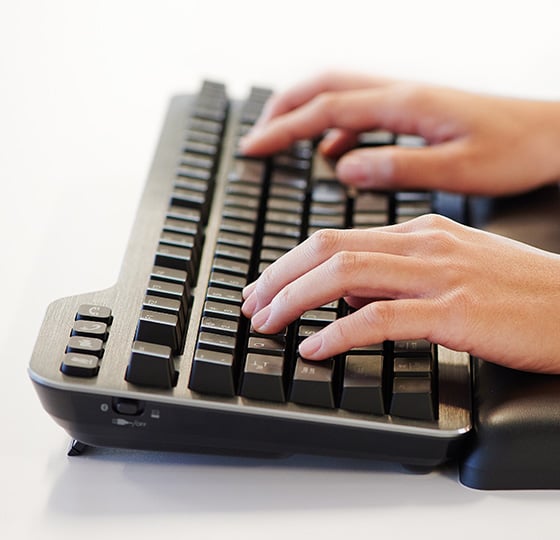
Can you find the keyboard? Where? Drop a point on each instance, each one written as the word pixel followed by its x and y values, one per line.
pixel 164 360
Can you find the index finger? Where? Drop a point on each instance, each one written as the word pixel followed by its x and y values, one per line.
pixel 303 92
pixel 385 107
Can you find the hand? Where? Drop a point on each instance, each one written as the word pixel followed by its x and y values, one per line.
pixel 476 144
pixel 430 278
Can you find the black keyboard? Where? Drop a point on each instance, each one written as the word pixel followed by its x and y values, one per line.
pixel 164 360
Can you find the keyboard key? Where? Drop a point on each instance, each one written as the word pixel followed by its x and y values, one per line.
pixel 85 345
pixel 313 383
pixel 213 372
pixel 263 377
pixel 151 365
pixel 175 257
pixel 413 366
pixel 89 312
pixel 219 325
pixel 413 398
pixel 224 295
pixel 215 341
pixel 171 275
pixel 174 291
pixel 221 309
pixel 269 344
pixel 412 346
pixel 362 389
pixel 158 328
pixel 80 365
pixel 227 280
pixel 91 329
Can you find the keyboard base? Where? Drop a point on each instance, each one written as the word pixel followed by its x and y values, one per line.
pixel 92 420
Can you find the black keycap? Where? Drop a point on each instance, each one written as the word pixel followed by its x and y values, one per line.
pixel 196 160
pixel 175 257
pixel 213 372
pixel 162 304
pixel 362 389
pixel 158 328
pixel 89 312
pixel 313 383
pixel 239 227
pixel 196 184
pixel 187 171
pixel 165 289
pixel 230 266
pixel 218 325
pixel 284 216
pixel 226 236
pixel 223 279
pixel 263 378
pixel 188 197
pixel 221 309
pixel 233 252
pixel 412 366
pixel 248 170
pixel 85 345
pixel 80 365
pixel 243 214
pixel 170 275
pixel 199 147
pixel 413 398
pixel 215 341
pixel 151 365
pixel 318 316
pixel 92 329
pixel 412 346
pixel 269 344
pixel 224 295
pixel 184 213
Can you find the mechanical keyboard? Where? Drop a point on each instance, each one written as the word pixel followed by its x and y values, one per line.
pixel 164 360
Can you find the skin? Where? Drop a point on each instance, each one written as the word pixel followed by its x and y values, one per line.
pixel 430 277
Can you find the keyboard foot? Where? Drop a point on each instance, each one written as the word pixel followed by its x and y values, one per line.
pixel 77 448
pixel 417 469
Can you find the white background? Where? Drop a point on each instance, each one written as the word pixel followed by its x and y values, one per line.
pixel 83 87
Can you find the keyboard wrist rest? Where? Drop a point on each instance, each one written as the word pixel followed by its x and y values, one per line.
pixel 516 419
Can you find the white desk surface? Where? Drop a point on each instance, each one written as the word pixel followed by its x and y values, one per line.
pixel 83 87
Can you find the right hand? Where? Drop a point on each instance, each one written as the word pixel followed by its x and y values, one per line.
pixel 477 144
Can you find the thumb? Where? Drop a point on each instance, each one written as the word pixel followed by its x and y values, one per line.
pixel 391 167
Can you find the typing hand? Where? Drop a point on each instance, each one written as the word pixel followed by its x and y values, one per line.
pixel 476 143
pixel 430 278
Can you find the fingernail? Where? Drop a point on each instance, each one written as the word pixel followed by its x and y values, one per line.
pixel 248 307
pixel 248 290
pixel 260 320
pixel 310 346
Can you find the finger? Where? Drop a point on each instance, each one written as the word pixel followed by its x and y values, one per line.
pixel 303 92
pixel 375 323
pixel 346 273
pixel 337 141
pixel 355 110
pixel 315 250
pixel 391 167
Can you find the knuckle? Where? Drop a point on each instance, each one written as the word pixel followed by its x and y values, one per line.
pixel 433 222
pixel 379 315
pixel 325 103
pixel 344 264
pixel 324 242
pixel 414 95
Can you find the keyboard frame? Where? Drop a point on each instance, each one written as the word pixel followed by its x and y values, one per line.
pixel 181 420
